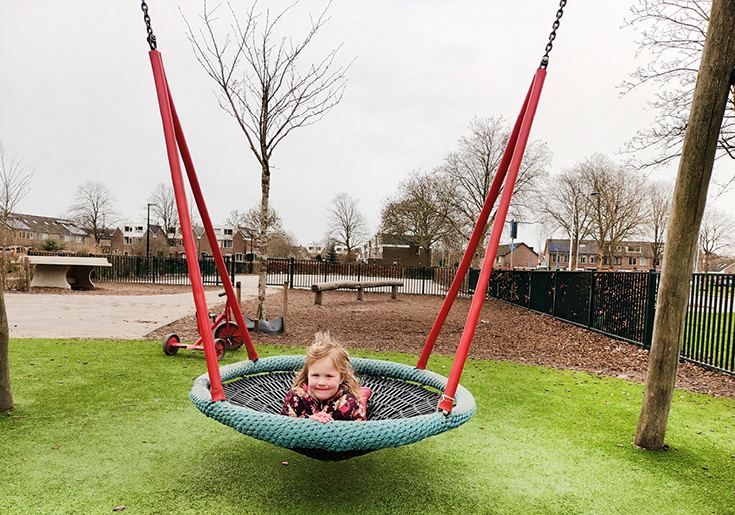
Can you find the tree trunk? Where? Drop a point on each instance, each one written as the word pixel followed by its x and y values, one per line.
pixel 265 184
pixel 690 195
pixel 6 393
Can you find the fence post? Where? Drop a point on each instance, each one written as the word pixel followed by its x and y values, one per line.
pixel 650 308
pixel 591 302
pixel 358 272
pixel 553 297
pixel 290 272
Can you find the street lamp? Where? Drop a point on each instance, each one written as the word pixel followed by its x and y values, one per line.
pixel 572 227
pixel 148 232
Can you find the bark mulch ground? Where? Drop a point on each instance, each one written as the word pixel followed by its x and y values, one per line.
pixel 504 333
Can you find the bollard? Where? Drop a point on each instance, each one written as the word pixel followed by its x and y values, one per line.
pixel 285 304
pixel 238 291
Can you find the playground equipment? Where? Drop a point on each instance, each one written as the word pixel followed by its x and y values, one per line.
pixel 408 403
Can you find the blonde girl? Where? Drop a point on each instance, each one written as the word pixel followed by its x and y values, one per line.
pixel 326 388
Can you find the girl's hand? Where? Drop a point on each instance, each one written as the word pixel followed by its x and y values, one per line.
pixel 321 417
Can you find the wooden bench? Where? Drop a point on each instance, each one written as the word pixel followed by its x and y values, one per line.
pixel 318 288
pixel 65 271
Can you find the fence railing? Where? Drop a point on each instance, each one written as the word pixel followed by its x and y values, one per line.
pixel 617 304
pixel 421 280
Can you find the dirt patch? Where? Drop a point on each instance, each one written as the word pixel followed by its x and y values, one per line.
pixel 504 333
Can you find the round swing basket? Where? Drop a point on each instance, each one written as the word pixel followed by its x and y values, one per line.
pixel 402 409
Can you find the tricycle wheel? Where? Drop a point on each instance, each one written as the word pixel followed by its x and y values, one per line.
pixel 231 334
pixel 170 350
pixel 220 348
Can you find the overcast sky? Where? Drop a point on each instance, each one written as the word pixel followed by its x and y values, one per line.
pixel 77 100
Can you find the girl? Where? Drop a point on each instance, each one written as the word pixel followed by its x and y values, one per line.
pixel 326 388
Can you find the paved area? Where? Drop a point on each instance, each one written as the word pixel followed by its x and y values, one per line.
pixel 127 317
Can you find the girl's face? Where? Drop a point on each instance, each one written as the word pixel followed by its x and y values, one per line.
pixel 324 379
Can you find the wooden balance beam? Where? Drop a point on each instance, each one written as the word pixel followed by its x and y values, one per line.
pixel 319 288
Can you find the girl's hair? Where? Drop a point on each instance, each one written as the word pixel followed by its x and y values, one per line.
pixel 324 346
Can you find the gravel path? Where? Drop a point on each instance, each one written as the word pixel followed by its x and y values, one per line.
pixel 114 310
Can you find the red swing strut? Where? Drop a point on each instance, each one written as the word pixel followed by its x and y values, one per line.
pixel 508 171
pixel 175 143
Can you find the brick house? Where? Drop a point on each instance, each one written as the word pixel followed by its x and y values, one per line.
pixel 627 255
pixel 132 239
pixel 523 257
pixel 31 230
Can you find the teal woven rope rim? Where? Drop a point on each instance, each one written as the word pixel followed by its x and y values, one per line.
pixel 337 435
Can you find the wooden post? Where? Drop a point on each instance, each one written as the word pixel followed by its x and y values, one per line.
pixel 359 292
pixel 690 195
pixel 318 298
pixel 285 304
pixel 394 292
pixel 238 292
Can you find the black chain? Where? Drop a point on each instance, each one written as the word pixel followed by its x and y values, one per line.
pixel 552 36
pixel 151 37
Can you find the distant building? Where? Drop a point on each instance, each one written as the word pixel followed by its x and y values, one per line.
pixel 133 239
pixel 627 255
pixel 30 231
pixel 523 257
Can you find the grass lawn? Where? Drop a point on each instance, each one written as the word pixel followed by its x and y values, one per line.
pixel 102 424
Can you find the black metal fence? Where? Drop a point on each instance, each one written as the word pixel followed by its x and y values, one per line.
pixel 162 270
pixel 618 304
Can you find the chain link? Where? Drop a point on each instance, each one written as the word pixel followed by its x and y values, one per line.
pixel 552 36
pixel 151 37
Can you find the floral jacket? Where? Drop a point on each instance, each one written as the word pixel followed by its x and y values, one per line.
pixel 342 406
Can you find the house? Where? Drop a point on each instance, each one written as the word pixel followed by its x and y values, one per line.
pixel 522 255
pixel 31 230
pixel 133 239
pixel 627 255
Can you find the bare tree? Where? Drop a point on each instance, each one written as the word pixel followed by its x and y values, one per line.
pixel 567 203
pixel 716 235
pixel 163 203
pixel 250 224
pixel 690 194
pixel 14 185
pixel 347 225
pixel 471 168
pixel 265 89
pixel 617 210
pixel 417 215
pixel 672 35
pixel 658 206
pixel 93 209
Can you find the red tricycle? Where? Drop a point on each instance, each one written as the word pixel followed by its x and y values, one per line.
pixel 227 336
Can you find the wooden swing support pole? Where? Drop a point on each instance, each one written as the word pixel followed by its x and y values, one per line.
pixel 519 148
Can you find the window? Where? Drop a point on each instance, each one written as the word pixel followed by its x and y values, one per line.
pixel 228 232
pixel 555 258
pixel 634 248
pixel 592 260
pixel 632 261
pixel 67 238
pixel 582 260
pixel 226 244
pixel 138 228
pixel 128 228
pixel 128 240
pixel 238 257
pixel 617 260
pixel 79 239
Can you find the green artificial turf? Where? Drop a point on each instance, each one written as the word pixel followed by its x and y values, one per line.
pixel 104 424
